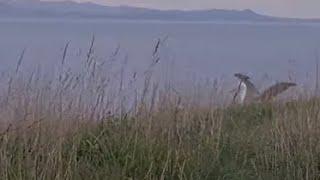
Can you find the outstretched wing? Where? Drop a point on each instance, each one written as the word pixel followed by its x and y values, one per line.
pixel 275 90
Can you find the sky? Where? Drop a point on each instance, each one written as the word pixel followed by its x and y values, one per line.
pixel 282 8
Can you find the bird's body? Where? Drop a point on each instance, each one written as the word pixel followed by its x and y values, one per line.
pixel 247 92
pixel 242 92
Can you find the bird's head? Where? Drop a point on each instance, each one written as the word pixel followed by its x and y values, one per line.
pixel 242 76
pixel 292 84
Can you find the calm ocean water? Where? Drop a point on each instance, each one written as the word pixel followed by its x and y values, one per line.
pixel 205 50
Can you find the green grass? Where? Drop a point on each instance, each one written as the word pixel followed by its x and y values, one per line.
pixel 262 141
pixel 78 125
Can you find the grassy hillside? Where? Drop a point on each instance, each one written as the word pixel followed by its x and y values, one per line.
pixel 77 125
pixel 265 141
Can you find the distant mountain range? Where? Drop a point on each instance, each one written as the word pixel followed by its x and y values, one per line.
pixel 69 9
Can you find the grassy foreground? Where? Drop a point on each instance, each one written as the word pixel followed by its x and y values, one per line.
pixel 266 141
pixel 94 123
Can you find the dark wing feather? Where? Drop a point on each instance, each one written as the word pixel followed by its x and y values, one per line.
pixel 275 90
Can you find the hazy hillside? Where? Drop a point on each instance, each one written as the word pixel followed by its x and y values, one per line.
pixel 69 9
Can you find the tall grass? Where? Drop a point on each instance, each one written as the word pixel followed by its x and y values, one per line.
pixel 96 124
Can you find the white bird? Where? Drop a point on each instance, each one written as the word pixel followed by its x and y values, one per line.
pixel 247 92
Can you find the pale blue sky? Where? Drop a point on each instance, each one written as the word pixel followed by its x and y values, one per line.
pixel 286 8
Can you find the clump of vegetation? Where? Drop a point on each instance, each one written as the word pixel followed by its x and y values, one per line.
pixel 86 125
